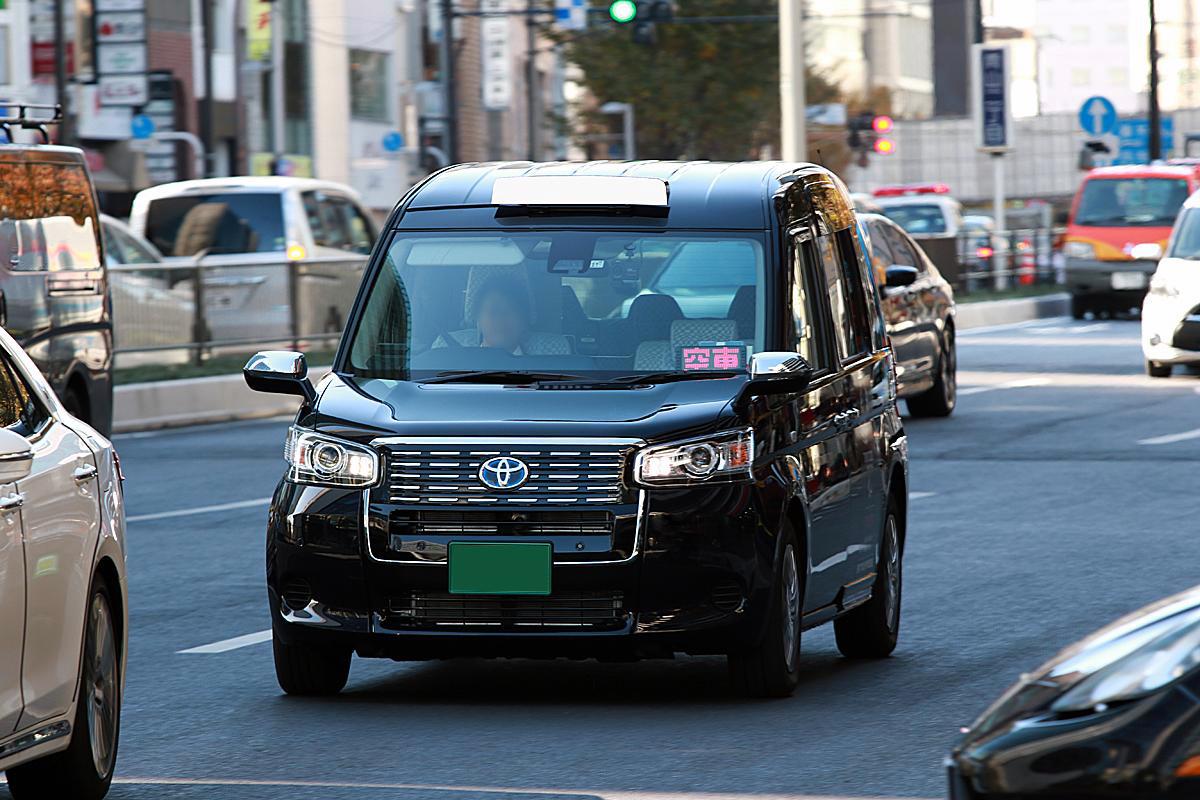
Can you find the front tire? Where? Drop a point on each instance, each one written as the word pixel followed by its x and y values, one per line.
pixel 84 770
pixel 309 671
pixel 872 629
pixel 941 398
pixel 771 668
pixel 1157 369
pixel 1079 306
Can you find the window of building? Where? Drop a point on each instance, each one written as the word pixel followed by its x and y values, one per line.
pixel 5 57
pixel 1081 34
pixel 1081 76
pixel 368 85
pixel 1118 76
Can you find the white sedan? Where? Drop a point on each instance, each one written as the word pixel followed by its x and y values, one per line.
pixel 63 617
pixel 1171 310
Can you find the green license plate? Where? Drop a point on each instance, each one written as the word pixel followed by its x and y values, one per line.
pixel 488 568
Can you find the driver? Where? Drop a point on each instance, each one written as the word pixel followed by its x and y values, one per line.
pixel 503 318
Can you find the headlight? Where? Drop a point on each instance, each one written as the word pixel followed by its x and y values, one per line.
pixel 1161 287
pixel 724 457
pixel 1165 659
pixel 314 458
pixel 1079 250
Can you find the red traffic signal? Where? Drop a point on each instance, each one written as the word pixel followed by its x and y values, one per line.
pixel 882 124
pixel 885 146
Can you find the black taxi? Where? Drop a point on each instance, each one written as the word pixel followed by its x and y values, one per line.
pixel 596 410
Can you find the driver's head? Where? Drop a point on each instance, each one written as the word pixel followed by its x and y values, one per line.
pixel 503 315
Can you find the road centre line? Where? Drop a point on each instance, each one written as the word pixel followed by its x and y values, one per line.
pixel 1008 326
pixel 225 645
pixel 1171 438
pixel 188 512
pixel 1023 383
pixel 480 791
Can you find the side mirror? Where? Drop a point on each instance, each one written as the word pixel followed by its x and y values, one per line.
pixel 898 275
pixel 778 373
pixel 16 457
pixel 279 372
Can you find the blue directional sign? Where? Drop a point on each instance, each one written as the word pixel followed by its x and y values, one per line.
pixel 393 141
pixel 1097 116
pixel 141 126
pixel 993 122
pixel 1134 136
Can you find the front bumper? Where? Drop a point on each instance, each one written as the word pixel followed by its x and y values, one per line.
pixel 696 579
pixel 1171 329
pixel 1094 278
pixel 1128 752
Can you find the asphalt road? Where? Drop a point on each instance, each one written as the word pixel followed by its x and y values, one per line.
pixel 1060 495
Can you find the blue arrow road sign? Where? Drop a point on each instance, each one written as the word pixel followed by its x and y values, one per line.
pixel 142 127
pixel 393 141
pixel 1097 116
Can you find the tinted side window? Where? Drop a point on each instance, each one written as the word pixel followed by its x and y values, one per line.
pixel 359 229
pixel 333 221
pixel 839 306
pixel 809 328
pixel 312 211
pixel 854 287
pixel 20 412
pixel 903 250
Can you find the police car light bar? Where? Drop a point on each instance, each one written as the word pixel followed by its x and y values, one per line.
pixel 911 189
pixel 580 190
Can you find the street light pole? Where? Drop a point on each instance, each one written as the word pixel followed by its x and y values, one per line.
pixel 1155 113
pixel 791 80
pixel 450 112
pixel 60 71
pixel 278 113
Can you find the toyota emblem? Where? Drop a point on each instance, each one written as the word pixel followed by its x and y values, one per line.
pixel 503 473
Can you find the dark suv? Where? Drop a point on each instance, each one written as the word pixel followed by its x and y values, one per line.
pixel 53 285
pixel 538 439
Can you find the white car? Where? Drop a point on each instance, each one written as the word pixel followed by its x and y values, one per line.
pixel 63 617
pixel 1171 310
pixel 922 209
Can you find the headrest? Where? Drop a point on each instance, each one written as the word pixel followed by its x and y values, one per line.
pixel 693 331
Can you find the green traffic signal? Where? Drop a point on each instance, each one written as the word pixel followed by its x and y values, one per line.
pixel 623 11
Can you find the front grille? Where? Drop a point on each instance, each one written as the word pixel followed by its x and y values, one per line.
pixel 297 593
pixel 558 476
pixel 580 610
pixel 501 523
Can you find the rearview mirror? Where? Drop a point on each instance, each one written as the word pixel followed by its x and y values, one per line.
pixel 16 457
pixel 279 372
pixel 899 275
pixel 778 373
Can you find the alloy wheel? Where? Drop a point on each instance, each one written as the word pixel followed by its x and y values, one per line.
pixel 102 685
pixel 892 566
pixel 791 607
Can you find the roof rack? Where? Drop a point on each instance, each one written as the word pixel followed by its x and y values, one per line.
pixel 25 121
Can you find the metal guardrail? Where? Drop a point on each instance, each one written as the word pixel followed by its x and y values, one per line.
pixel 197 308
pixel 983 262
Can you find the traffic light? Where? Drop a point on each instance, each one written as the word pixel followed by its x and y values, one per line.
pixel 642 17
pixel 867 132
pixel 623 11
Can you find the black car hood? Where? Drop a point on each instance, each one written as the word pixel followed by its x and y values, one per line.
pixel 362 408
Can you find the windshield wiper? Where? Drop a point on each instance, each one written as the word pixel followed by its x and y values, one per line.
pixel 499 376
pixel 672 377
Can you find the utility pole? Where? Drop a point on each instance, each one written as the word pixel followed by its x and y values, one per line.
pixel 206 105
pixel 65 134
pixel 278 113
pixel 1155 114
pixel 531 79
pixel 791 80
pixel 450 112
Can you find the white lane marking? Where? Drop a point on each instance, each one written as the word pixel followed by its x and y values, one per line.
pixel 187 512
pixel 225 645
pixel 921 495
pixel 1023 383
pixel 480 791
pixel 1072 330
pixel 1172 438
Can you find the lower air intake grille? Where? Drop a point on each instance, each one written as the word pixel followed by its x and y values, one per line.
pixel 586 610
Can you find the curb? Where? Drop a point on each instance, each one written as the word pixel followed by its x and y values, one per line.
pixel 1006 312
pixel 222 398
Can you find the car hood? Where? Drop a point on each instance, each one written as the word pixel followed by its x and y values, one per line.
pixel 364 408
pixel 1182 275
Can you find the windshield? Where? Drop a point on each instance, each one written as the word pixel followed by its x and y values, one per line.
pixel 235 222
pixel 593 304
pixel 1131 202
pixel 1185 242
pixel 918 219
